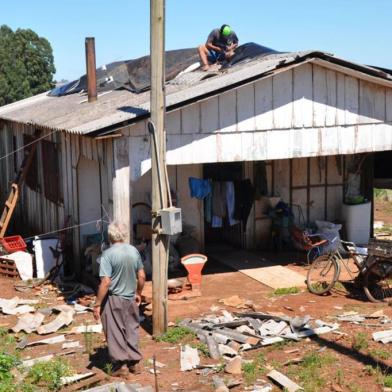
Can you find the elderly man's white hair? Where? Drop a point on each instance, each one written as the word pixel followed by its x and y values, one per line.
pixel 117 231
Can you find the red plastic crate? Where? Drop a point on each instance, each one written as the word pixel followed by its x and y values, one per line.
pixel 13 244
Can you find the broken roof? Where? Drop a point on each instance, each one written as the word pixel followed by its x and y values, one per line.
pixel 116 108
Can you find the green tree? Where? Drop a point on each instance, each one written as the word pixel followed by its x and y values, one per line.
pixel 26 64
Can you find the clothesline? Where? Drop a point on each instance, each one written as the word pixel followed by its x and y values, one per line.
pixel 96 221
pixel 224 199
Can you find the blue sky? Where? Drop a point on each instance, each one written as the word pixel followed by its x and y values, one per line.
pixel 357 30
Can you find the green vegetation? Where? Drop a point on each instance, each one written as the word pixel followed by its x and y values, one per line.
pixel 43 376
pixel 354 388
pixel 202 347
pixel 108 368
pixel 380 353
pixel 309 371
pixel 388 381
pixel 48 374
pixel 7 362
pixel 360 341
pixel 383 194
pixel 339 377
pixel 286 291
pixel 88 342
pixel 253 370
pixel 26 64
pixel 176 335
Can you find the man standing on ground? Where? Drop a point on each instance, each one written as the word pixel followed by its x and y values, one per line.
pixel 219 47
pixel 118 299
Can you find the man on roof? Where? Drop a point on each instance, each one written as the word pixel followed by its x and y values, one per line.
pixel 219 47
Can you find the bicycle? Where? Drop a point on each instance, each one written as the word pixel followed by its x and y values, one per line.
pixel 325 271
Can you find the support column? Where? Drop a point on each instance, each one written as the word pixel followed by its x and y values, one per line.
pixel 121 184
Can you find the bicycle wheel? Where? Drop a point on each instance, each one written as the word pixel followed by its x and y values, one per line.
pixel 322 274
pixel 376 287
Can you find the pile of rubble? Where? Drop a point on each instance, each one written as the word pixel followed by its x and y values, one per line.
pixel 230 335
pixel 369 320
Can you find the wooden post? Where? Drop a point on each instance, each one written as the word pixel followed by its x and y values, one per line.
pixel 157 105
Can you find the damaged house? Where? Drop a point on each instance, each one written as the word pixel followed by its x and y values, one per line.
pixel 300 126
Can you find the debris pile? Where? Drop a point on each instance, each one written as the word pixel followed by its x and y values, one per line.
pixel 230 334
pixel 367 320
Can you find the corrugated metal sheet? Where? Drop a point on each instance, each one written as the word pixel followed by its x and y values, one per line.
pixel 73 114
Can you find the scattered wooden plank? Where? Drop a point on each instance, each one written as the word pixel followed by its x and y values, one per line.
pixel 284 381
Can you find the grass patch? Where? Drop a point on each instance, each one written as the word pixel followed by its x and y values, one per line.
pixel 7 362
pixel 253 370
pixel 380 353
pixel 202 348
pixel 310 371
pixel 360 341
pixel 387 382
pixel 339 377
pixel 339 286
pixel 286 291
pixel 108 368
pixel 382 194
pixel 386 229
pixel 176 335
pixel 48 374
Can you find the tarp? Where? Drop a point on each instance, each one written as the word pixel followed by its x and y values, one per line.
pixel 134 75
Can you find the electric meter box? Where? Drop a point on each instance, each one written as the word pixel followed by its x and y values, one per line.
pixel 171 220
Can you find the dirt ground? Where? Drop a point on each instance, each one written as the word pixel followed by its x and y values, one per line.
pixel 351 361
pixel 351 370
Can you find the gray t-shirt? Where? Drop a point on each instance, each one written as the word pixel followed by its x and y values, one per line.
pixel 120 263
pixel 217 39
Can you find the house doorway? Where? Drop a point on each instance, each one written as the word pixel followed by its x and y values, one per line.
pixel 225 234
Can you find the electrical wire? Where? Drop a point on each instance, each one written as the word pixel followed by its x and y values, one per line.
pixel 67 228
pixel 28 144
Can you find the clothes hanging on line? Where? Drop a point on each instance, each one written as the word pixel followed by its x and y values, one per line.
pixel 216 222
pixel 218 199
pixel 224 199
pixel 208 208
pixel 230 200
pixel 244 197
pixel 199 188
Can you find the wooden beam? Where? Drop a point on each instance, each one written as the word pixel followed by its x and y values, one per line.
pixel 158 158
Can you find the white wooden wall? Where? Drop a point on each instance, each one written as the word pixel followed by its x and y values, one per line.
pixel 38 214
pixel 305 111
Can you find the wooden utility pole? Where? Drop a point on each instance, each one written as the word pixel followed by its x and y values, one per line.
pixel 159 188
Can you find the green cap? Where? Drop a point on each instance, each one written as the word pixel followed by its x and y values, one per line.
pixel 226 31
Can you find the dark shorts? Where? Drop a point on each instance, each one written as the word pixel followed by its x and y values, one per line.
pixel 215 57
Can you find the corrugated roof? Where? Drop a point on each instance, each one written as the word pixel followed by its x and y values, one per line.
pixel 72 113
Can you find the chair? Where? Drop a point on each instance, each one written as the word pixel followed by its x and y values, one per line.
pixel 311 243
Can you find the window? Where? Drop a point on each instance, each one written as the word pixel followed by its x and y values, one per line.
pixel 32 174
pixel 51 171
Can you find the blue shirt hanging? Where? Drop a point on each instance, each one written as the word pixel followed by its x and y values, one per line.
pixel 199 188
